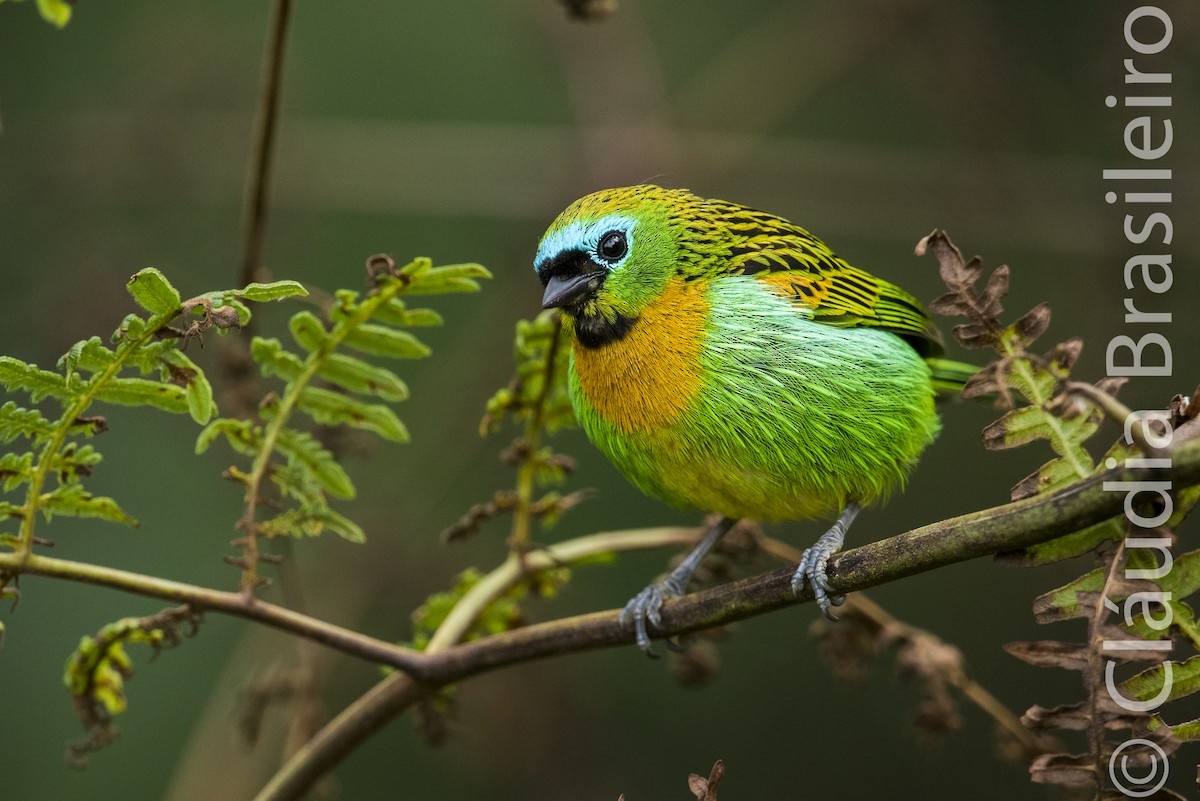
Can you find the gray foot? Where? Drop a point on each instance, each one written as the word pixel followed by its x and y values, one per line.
pixel 647 604
pixel 815 560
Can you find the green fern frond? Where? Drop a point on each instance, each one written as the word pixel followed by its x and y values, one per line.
pixel 338 350
pixel 91 371
pixel 96 673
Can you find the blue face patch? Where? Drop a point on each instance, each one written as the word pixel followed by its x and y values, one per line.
pixel 586 237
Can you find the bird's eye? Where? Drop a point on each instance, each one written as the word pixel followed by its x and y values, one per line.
pixel 613 246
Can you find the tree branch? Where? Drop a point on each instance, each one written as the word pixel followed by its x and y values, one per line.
pixel 990 531
pixel 348 641
pixel 204 599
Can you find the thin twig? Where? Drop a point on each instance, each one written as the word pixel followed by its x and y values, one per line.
pixel 519 541
pixel 1014 525
pixel 342 639
pixel 236 364
pixel 254 209
pixel 1003 528
pixel 210 600
pixel 397 692
pixel 1117 412
pixel 990 531
pixel 996 530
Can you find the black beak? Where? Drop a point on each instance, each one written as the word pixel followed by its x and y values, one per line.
pixel 561 291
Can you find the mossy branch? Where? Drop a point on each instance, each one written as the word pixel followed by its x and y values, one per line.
pixel 990 531
pixel 986 532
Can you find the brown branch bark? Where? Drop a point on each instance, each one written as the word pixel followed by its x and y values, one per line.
pixel 990 531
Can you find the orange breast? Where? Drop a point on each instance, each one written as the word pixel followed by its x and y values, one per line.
pixel 647 379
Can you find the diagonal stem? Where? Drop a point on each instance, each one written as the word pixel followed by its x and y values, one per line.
pixel 254 209
pixel 989 531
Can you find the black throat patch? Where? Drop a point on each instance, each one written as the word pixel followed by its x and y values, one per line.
pixel 596 332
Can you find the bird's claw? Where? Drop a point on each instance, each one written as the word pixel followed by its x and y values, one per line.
pixel 647 606
pixel 812 568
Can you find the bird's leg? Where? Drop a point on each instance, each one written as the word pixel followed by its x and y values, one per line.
pixel 813 561
pixel 647 604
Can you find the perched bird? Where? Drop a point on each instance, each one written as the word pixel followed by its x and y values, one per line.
pixel 725 359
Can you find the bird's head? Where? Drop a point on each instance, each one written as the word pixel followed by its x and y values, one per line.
pixel 609 255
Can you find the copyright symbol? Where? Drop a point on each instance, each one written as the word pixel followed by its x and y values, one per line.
pixel 1157 759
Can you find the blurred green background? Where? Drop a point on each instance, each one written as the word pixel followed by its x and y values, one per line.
pixel 458 130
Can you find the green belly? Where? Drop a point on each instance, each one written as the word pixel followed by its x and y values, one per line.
pixel 793 419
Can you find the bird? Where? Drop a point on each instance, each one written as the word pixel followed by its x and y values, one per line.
pixel 726 359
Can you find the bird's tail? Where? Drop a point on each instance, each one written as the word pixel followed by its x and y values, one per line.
pixel 949 376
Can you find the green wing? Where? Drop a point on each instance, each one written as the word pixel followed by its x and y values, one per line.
pixel 800 266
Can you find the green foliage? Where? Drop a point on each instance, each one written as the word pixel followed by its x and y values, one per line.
pixel 331 408
pixel 1147 685
pixel 56 12
pixel 501 614
pixel 538 392
pixel 153 292
pixel 275 290
pixel 1182 581
pixel 309 458
pixel 16 375
pixel 73 500
pixel 91 371
pixel 1049 409
pixel 333 350
pixel 28 423
pixel 96 672
pixel 537 399
pixel 144 364
pixel 150 345
pixel 1049 406
pixel 311 516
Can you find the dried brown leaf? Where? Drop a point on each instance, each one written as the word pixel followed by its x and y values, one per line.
pixel 1064 355
pixel 1050 653
pixel 972 270
pixel 847 648
pixel 1078 717
pixel 468 525
pixel 952 304
pixel 974 335
pixel 1111 385
pixel 1031 325
pixel 1027 487
pixel 1072 717
pixel 936 715
pixel 955 273
pixel 928 657
pixel 988 380
pixel 1183 408
pixel 706 789
pixel 1109 634
pixel 1067 770
pixel 1069 405
pixel 995 289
